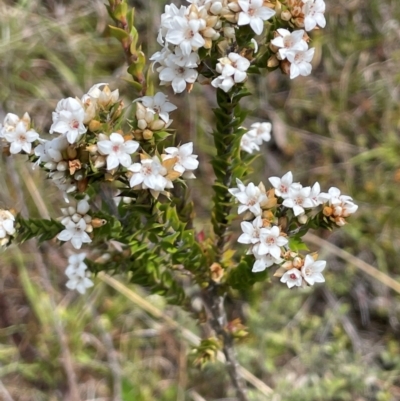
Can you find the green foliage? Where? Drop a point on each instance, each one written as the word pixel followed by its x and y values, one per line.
pixel 41 229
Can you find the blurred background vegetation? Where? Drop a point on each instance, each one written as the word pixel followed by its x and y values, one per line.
pixel 340 126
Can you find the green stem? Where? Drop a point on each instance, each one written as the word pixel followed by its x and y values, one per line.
pixel 229 118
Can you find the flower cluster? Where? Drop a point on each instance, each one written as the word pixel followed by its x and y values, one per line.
pixel 255 136
pixel 274 216
pixel 78 276
pixel 17 134
pixel 77 224
pixel 89 144
pixel 214 26
pixel 7 226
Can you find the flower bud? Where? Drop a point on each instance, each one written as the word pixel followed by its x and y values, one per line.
pixel 50 165
pixel 92 149
pixel 234 6
pixel 94 125
pixel 96 222
pixel 140 111
pixel 272 62
pixel 76 217
pixel 147 134
pixel 229 32
pixel 99 162
pixel 62 166
pixel 142 124
pixel 149 117
pixel 157 125
pixel 286 15
pixel 216 8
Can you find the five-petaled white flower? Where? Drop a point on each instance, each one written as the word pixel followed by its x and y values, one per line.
pixel 150 173
pixel 185 33
pixel 311 270
pixel 292 278
pixel 20 138
pixel 158 104
pixel 298 199
pixel 289 41
pixel 251 231
pixel 250 197
pixel 300 62
pixel 75 232
pixel 264 261
pixel 248 143
pixel 261 132
pixel 254 13
pixel 282 185
pixel 314 14
pixel 177 75
pixel 77 274
pixel 7 221
pixel 118 150
pixel 186 160
pixel 232 69
pixel 68 119
pixel 271 242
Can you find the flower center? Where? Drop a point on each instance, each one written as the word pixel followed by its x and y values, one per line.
pixel 283 188
pixel 115 148
pixel 270 241
pixel 298 200
pixel 307 271
pixel 22 138
pixel 293 276
pixel 75 124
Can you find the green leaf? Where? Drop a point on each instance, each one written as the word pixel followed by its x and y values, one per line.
pixel 118 33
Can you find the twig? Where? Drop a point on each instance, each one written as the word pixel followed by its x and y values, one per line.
pixel 187 334
pixel 364 266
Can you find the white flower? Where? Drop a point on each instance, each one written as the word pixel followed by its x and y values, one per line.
pixel 254 13
pixel 315 194
pixel 186 160
pixel 75 232
pixel 20 138
pixel 333 197
pixel 232 69
pixel 300 62
pixel 314 14
pixel 103 97
pixel 298 199
pixel 118 150
pixel 150 173
pixel 270 242
pixel 248 143
pixel 76 264
pixel 250 197
pixel 312 269
pixel 68 119
pixel 261 132
pixel 251 231
pixel 171 11
pixel 177 75
pixel 77 274
pixel 282 185
pixel 158 104
pixel 185 33
pixel 264 261
pixel 10 123
pixel 342 205
pixel 6 223
pixel 190 61
pixel 292 278
pixel 50 152
pixel 289 41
